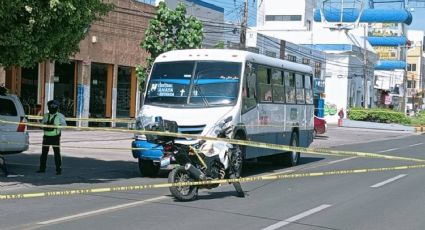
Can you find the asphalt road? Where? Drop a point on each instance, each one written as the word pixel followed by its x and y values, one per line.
pixel 385 200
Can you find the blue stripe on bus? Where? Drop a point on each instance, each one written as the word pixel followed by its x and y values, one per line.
pixel 199 82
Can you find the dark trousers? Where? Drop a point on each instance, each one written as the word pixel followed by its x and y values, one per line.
pixel 3 165
pixel 54 142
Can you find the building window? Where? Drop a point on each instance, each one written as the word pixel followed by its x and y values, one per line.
pixel 270 54
pixel 65 87
pixel 283 17
pixel 123 91
pixel 291 58
pixel 306 61
pixel 411 67
pixel 411 84
pixel 318 69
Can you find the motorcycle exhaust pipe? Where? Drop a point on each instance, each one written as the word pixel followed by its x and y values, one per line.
pixel 195 172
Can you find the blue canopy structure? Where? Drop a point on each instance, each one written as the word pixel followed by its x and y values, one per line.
pixel 387 41
pixel 368 15
pixel 390 65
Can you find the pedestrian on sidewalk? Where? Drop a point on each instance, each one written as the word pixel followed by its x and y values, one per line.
pixel 341 113
pixel 52 136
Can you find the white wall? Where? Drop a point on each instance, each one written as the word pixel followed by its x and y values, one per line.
pixel 336 85
pixel 284 7
pixel 344 83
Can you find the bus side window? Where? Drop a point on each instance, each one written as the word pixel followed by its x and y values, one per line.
pixel 289 78
pixel 308 89
pixel 278 86
pixel 249 94
pixel 264 84
pixel 299 85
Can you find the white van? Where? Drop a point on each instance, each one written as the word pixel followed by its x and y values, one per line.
pixel 14 137
pixel 267 99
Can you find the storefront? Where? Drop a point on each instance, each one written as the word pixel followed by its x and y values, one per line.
pixel 105 90
pixel 64 87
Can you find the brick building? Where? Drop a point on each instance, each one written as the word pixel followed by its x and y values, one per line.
pixel 100 80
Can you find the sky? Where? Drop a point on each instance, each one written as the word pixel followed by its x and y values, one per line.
pixel 418 22
pixel 233 10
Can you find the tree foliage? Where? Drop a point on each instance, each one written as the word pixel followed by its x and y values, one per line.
pixel 34 30
pixel 169 30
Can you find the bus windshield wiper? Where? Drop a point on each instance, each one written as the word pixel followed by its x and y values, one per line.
pixel 204 99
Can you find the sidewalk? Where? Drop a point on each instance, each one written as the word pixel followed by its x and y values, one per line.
pixel 375 125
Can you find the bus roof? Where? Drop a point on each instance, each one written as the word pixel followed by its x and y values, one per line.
pixel 231 56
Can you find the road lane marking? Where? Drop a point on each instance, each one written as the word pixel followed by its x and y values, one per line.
pixel 416 144
pixel 340 160
pixel 99 211
pixel 388 181
pixel 388 150
pixel 297 217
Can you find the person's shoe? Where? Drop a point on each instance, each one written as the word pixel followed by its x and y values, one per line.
pixel 41 171
pixel 58 172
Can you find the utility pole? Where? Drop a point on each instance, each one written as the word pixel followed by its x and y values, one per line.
pixel 365 88
pixel 403 102
pixel 244 26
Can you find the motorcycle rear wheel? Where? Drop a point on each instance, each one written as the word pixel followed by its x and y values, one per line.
pixel 182 193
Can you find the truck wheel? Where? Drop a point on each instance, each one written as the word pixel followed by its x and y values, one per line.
pixel 148 168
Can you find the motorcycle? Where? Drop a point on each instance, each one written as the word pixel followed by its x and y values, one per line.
pixel 198 160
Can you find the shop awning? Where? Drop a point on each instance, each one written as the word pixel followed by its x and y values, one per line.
pixel 390 65
pixel 368 15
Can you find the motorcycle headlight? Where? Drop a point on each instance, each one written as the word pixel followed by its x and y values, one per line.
pixel 222 125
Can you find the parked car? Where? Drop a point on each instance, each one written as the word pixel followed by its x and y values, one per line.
pixel 14 137
pixel 320 126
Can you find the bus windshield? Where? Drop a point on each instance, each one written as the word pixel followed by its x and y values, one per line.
pixel 194 83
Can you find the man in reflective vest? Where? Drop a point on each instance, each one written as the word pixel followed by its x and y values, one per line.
pixel 52 136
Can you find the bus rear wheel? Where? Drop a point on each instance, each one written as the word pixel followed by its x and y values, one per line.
pixel 292 158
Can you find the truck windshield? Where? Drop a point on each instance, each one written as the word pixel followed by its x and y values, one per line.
pixel 194 83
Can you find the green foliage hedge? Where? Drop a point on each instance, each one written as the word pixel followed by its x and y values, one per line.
pixel 419 120
pixel 379 115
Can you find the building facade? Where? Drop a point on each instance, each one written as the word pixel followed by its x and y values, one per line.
pixel 287 15
pixel 415 69
pixel 99 81
pixel 344 70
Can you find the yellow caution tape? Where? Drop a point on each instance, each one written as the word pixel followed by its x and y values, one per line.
pixel 117 120
pixel 284 148
pixel 200 183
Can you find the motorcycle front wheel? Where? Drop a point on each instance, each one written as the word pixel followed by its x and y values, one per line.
pixel 182 193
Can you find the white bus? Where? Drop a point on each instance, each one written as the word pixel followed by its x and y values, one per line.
pixel 270 100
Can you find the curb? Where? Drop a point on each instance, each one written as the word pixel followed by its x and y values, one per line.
pixel 379 126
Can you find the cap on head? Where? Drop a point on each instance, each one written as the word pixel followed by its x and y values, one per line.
pixel 53 104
